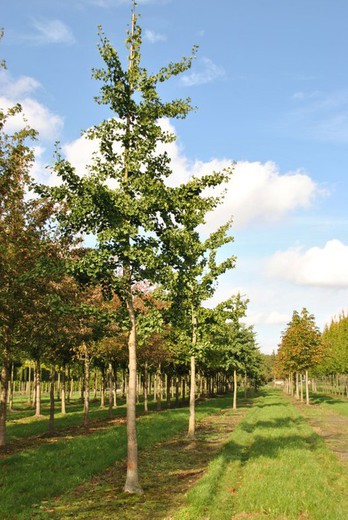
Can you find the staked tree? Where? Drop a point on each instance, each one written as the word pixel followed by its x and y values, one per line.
pixel 125 199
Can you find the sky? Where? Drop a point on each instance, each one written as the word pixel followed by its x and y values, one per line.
pixel 270 83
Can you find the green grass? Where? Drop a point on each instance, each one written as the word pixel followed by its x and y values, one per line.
pixel 336 404
pixel 30 476
pixel 275 467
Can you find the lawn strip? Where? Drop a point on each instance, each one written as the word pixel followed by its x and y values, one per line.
pixel 52 469
pixel 274 466
pixel 330 425
pixel 168 470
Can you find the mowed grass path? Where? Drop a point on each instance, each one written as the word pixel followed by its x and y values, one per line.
pixel 274 467
pixel 266 462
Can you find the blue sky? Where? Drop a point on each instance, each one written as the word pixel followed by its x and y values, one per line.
pixel 271 85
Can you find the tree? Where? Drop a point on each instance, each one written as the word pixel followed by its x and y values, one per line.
pixel 135 220
pixel 194 282
pixel 18 244
pixel 300 347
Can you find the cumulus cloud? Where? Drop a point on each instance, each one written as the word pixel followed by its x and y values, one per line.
pixel 321 267
pixel 153 37
pixel 260 193
pixel 34 113
pixel 208 72
pixel 256 193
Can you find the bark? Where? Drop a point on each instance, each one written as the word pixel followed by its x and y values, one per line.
pixel 102 389
pixel 159 387
pixel 86 389
pixel 51 418
pixel 132 479
pixel 297 386
pixel 177 388
pixel 63 391
pixel 307 388
pixel 114 369
pixel 111 390
pixel 5 374
pixel 37 389
pixel 146 387
pixel 235 387
pixel 192 418
pixel 169 380
pixel 11 388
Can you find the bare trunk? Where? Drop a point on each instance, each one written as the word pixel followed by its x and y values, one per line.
pixel 301 388
pixel 159 387
pixel 235 388
pixel 102 388
pixel 11 388
pixel 146 387
pixel 297 386
pixel 169 380
pixel 63 392
pixel 114 369
pixel 111 390
pixel 192 418
pixel 86 388
pixel 192 421
pixel 52 381
pixel 307 388
pixel 37 389
pixel 5 373
pixel 132 480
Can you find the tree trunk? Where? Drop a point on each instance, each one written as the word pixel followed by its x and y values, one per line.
pixel 301 388
pixel 146 387
pixel 177 387
pixel 37 389
pixel 11 388
pixel 86 388
pixel 159 387
pixel 102 388
pixel 111 390
pixel 114 369
pixel 192 418
pixel 5 374
pixel 169 380
pixel 297 386
pixel 235 388
pixel 132 480
pixel 307 388
pixel 63 392
pixel 52 381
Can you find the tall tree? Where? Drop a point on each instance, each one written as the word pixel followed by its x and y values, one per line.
pixel 124 200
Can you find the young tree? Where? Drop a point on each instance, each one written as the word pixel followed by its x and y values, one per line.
pixel 135 220
pixel 300 347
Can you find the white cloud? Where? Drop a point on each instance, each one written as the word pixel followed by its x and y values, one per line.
pixel 260 193
pixel 17 88
pixel 50 31
pixel 321 267
pixel 153 37
pixel 35 114
pixel 209 72
pixel 256 193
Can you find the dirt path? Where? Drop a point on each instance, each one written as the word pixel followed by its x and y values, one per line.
pixel 332 427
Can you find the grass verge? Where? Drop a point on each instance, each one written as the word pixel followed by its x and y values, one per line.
pixel 273 467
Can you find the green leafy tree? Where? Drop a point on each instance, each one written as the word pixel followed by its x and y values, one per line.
pixel 301 347
pixel 136 220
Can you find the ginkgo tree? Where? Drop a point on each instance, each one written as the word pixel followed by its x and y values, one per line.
pixel 301 347
pixel 124 200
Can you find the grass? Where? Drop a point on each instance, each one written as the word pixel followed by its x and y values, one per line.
pixel 261 461
pixel 61 464
pixel 336 404
pixel 274 467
